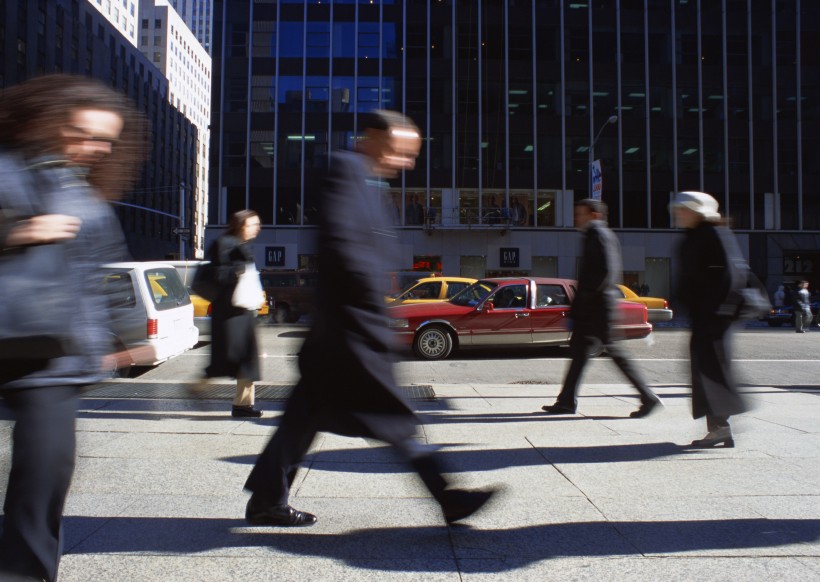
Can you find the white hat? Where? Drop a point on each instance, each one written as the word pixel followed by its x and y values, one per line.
pixel 699 202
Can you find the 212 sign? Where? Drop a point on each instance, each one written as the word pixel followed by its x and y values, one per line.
pixel 798 265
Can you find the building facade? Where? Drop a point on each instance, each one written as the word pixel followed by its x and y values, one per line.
pixel 515 99
pixel 122 14
pixel 198 15
pixel 73 37
pixel 167 41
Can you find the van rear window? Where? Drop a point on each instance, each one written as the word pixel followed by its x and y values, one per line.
pixel 166 288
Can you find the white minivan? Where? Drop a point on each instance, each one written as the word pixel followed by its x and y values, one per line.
pixel 150 309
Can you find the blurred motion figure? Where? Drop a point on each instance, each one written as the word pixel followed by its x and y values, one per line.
pixel 708 273
pixel 593 310
pixel 66 144
pixel 347 385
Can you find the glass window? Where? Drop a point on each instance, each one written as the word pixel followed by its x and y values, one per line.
pixel 550 296
pixel 424 291
pixel 510 297
pixel 167 289
pixel 454 289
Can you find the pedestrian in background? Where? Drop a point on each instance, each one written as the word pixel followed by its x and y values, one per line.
pixel 66 144
pixel 593 310
pixel 708 273
pixel 234 350
pixel 779 296
pixel 802 308
pixel 347 385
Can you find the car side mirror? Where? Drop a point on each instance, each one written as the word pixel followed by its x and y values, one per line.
pixel 487 306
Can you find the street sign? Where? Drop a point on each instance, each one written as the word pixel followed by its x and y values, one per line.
pixel 180 231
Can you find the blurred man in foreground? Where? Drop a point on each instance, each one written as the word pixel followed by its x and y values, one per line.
pixel 347 385
pixel 66 144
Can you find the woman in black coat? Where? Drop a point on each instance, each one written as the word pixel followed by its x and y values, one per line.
pixel 66 145
pixel 234 351
pixel 708 272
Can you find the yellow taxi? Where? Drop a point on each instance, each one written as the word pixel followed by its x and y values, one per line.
pixel 429 289
pixel 657 309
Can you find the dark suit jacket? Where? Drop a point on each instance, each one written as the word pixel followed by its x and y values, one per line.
pixel 346 361
pixel 593 308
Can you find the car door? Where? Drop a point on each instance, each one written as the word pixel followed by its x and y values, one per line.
pixel 503 319
pixel 549 316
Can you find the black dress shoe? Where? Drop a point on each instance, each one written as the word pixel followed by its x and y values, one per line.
pixel 721 437
pixel 557 409
pixel 645 409
pixel 460 503
pixel 259 514
pixel 245 412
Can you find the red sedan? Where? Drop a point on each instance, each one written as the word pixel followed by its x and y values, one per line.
pixel 501 312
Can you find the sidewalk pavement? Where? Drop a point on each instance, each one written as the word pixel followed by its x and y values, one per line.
pixel 157 493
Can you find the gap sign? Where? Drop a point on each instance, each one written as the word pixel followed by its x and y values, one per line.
pixel 274 256
pixel 509 257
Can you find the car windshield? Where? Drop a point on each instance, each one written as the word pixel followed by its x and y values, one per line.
pixel 404 289
pixel 474 294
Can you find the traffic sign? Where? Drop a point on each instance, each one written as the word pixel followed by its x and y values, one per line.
pixel 180 231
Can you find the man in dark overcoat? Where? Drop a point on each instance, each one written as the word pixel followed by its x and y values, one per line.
pixel 347 385
pixel 593 309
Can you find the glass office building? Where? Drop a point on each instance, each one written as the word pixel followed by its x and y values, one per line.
pixel 515 99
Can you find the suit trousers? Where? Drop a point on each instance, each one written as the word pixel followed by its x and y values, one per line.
pixel 44 446
pixel 580 346
pixel 276 467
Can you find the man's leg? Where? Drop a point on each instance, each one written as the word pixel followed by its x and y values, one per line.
pixel 579 352
pixel 456 504
pixel 275 469
pixel 649 400
pixel 44 445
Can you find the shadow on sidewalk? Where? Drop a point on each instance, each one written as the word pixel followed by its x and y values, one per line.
pixel 433 549
pixel 457 460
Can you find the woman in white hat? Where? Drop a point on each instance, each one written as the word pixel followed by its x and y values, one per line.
pixel 708 271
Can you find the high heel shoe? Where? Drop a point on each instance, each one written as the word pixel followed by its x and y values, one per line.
pixel 721 437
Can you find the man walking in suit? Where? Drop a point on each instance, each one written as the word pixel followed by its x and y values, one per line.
pixel 347 385
pixel 593 309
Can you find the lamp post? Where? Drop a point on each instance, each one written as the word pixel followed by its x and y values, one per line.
pixel 610 119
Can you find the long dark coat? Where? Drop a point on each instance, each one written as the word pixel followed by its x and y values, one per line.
pixel 707 274
pixel 593 308
pixel 346 361
pixel 234 351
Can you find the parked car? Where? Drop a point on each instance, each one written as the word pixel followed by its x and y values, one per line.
pixel 430 289
pixel 150 309
pixel 515 311
pixel 202 307
pixel 292 293
pixel 657 308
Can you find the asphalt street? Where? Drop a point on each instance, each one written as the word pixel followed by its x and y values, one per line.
pixel 157 493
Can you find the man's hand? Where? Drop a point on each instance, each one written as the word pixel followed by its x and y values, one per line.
pixel 43 229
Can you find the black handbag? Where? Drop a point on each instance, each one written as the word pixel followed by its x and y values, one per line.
pixel 36 299
pixel 205 283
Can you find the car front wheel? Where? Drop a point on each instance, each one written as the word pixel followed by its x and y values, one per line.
pixel 433 343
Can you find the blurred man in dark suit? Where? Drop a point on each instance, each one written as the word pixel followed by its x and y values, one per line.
pixel 347 385
pixel 593 309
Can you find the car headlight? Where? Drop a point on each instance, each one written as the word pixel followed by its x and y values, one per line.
pixel 398 323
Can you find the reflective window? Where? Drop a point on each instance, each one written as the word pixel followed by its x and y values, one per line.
pixel 550 296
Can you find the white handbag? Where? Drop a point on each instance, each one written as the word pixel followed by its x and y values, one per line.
pixel 248 291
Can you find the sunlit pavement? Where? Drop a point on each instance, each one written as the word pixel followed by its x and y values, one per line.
pixel 157 493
